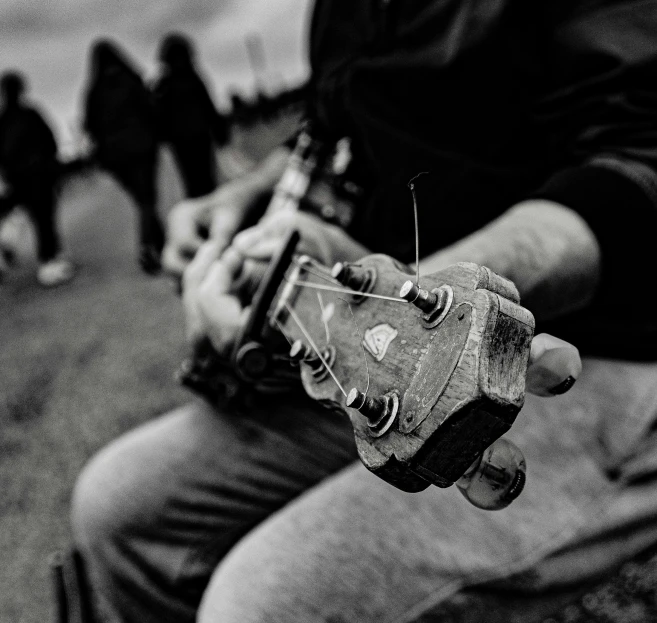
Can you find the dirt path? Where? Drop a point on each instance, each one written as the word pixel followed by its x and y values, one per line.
pixel 79 365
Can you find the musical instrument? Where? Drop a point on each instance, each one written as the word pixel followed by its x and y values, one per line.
pixel 430 374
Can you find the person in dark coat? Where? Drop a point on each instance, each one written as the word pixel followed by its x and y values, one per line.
pixel 29 168
pixel 119 120
pixel 187 118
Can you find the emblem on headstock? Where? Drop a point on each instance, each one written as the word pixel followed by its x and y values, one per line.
pixel 377 339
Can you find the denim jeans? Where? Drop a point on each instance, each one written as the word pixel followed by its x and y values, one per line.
pixel 267 517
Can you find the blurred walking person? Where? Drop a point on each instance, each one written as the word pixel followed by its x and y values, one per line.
pixel 187 118
pixel 120 123
pixel 29 168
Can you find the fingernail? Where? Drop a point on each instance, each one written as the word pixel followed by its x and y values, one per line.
pixel 564 386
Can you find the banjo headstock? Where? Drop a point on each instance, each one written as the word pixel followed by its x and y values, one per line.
pixel 430 376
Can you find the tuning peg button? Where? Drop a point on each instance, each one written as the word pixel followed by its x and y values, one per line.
pixel 497 478
pixel 319 366
pixel 380 412
pixel 302 352
pixel 422 299
pixel 354 277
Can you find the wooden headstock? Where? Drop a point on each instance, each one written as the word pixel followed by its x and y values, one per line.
pixel 428 384
pixel 430 376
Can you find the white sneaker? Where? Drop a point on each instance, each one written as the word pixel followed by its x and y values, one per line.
pixel 55 272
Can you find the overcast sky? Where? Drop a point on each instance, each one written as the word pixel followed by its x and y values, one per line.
pixel 49 41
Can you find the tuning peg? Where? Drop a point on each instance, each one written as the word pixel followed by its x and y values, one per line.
pixel 496 478
pixel 424 300
pixel 351 276
pixel 252 361
pixel 380 412
pixel 302 352
pixel 428 302
pixel 372 408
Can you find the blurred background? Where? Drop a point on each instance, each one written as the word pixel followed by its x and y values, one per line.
pixel 83 362
pixel 244 45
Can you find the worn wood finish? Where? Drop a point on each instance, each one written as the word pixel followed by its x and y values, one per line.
pixel 459 384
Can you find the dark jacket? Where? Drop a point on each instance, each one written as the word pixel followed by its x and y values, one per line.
pixel 27 144
pixel 118 113
pixel 503 100
pixel 184 109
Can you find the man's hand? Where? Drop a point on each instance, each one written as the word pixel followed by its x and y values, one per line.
pixel 495 480
pixel 211 309
pixel 218 215
pixel 192 221
pixel 554 366
pixel 326 243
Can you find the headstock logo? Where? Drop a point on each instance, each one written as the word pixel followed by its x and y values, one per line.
pixel 377 339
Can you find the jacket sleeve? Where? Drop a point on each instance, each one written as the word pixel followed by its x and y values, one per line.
pixel 602 108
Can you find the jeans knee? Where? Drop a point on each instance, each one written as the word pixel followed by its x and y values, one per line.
pixel 98 516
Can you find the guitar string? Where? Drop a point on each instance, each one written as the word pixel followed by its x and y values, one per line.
pixel 314 347
pixel 320 276
pixel 318 273
pixel 360 336
pixel 321 306
pixel 411 185
pixel 307 259
pixel 319 286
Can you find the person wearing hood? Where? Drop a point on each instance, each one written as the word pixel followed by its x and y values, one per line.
pixel 29 168
pixel 119 120
pixel 187 119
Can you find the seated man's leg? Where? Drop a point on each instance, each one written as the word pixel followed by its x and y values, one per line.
pixel 155 511
pixel 354 549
